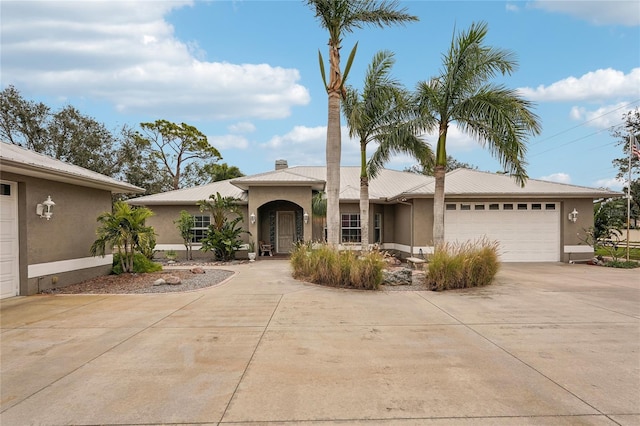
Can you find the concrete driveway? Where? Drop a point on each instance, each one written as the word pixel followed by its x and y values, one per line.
pixel 550 344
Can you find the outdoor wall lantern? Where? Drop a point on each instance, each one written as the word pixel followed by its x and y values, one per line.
pixel 573 216
pixel 252 218
pixel 306 217
pixel 44 209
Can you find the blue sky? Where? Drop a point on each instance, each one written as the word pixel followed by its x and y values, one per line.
pixel 246 72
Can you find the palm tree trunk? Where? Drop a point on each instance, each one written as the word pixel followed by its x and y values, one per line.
pixel 333 170
pixel 364 212
pixel 334 147
pixel 438 206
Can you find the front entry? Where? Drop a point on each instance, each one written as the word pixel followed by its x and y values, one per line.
pixel 286 232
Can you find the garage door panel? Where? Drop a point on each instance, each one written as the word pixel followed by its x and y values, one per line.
pixel 523 235
pixel 9 279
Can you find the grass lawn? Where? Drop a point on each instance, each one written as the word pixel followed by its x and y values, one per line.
pixel 634 253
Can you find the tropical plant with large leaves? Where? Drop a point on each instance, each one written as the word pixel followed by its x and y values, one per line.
pixel 223 235
pixel 381 113
pixel 463 94
pixel 340 17
pixel 124 228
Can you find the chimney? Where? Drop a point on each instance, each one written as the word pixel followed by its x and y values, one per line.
pixel 281 164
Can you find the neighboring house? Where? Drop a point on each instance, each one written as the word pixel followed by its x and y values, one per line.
pixel 39 251
pixel 532 223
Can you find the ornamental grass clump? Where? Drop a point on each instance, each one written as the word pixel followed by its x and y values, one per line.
pixel 463 265
pixel 324 265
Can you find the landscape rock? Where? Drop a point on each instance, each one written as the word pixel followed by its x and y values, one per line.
pixel 392 261
pixel 197 271
pixel 397 276
pixel 173 280
pixel 159 281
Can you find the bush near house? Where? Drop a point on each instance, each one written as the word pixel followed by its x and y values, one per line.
pixel 327 266
pixel 124 230
pixel 463 265
pixel 141 264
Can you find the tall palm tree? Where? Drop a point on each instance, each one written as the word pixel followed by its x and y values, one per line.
pixel 496 116
pixel 339 17
pixel 381 113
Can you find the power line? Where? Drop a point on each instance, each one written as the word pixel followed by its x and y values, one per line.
pixel 585 122
pixel 573 141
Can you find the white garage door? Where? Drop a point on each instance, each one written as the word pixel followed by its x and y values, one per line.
pixel 9 279
pixel 526 231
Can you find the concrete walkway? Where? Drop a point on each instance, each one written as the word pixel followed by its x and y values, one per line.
pixel 548 344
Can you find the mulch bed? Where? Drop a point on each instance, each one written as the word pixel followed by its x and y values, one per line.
pixel 143 283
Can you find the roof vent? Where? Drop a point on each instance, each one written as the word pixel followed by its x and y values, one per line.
pixel 281 164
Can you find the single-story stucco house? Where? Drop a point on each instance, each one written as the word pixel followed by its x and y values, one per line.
pixel 48 212
pixel 542 222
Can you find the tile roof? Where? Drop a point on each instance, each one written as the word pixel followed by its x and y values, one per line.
pixel 15 159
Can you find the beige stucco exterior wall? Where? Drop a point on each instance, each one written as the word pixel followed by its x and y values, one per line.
pixel 67 236
pixel 573 234
pixel 402 225
pixel 168 236
pixel 396 232
pixel 260 195
pixel 388 220
pixel 423 222
pixel 162 222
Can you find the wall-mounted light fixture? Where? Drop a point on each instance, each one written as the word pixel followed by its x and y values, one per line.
pixel 573 216
pixel 44 209
pixel 306 217
pixel 252 218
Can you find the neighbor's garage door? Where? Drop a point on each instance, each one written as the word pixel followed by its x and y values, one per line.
pixel 9 280
pixel 526 231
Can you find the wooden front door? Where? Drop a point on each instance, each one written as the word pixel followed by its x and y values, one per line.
pixel 286 232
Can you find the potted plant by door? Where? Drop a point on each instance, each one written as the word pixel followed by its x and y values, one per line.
pixel 252 251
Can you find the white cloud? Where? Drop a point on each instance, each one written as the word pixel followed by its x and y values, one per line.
pixel 557 177
pixel 242 127
pixel 603 117
pixel 307 146
pixel 299 135
pixel 511 7
pixel 457 141
pixel 612 183
pixel 596 85
pixel 597 12
pixel 228 142
pixel 126 53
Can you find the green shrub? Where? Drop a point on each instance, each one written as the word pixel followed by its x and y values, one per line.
pixel 463 265
pixel 225 241
pixel 141 264
pixel 327 266
pixel 625 264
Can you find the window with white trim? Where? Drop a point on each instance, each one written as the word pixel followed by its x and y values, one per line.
pixel 351 231
pixel 377 228
pixel 200 227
